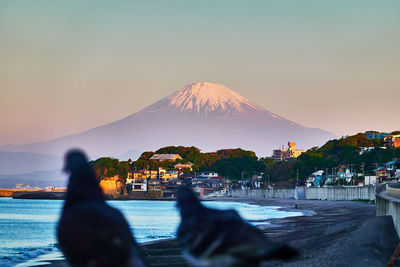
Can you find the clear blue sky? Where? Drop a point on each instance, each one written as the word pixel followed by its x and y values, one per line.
pixel 67 66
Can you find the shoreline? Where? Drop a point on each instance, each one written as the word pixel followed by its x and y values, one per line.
pixel 330 233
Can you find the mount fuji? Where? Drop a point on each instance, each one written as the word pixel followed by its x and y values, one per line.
pixel 207 115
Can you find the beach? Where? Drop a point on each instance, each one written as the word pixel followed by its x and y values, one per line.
pixel 341 233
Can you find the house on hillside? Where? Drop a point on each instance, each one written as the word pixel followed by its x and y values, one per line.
pixel 187 165
pixel 375 135
pixel 165 157
pixel 365 149
pixel 284 154
pixel 392 141
pixel 169 175
pixel 142 174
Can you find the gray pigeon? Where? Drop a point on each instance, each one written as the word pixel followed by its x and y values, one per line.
pixel 90 232
pixel 211 237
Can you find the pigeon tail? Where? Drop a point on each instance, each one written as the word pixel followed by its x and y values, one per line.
pixel 283 252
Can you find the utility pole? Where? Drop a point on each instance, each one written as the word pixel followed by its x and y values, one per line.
pixel 363 169
pixel 297 177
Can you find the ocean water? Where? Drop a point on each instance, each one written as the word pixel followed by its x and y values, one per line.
pixel 27 227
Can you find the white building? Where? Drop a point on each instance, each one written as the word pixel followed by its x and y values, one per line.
pixel 137 184
pixel 369 180
pixel 207 174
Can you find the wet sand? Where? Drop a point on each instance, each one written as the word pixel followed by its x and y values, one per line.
pixel 341 233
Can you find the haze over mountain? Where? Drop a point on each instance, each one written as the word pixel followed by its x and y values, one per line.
pixel 207 115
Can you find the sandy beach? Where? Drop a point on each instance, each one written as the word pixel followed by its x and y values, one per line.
pixel 341 233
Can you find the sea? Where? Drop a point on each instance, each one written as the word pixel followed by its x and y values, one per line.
pixel 28 227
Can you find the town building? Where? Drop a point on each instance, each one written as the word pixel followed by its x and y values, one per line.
pixel 165 157
pixel 365 149
pixel 392 141
pixel 388 171
pixel 205 186
pixel 154 184
pixel 137 185
pixel 316 179
pixel 375 135
pixel 169 175
pixel 207 174
pixel 284 154
pixel 142 174
pixel 187 165
pixel 370 180
pixel 382 174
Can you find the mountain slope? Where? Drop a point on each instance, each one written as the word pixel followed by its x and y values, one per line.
pixel 22 162
pixel 207 115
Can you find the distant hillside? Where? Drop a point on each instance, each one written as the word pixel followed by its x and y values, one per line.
pixel 333 154
pixel 40 179
pixel 230 163
pixel 22 162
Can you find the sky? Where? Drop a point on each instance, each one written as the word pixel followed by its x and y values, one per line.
pixel 68 66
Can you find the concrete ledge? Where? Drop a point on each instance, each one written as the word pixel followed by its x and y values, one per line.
pixel 393 192
pixel 388 205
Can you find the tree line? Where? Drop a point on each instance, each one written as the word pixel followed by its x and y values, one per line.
pixel 236 164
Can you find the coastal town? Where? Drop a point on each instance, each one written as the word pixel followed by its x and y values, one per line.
pixel 362 183
pixel 163 182
pixel 171 170
pixel 199 133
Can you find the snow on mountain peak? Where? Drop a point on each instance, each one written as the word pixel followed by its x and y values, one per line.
pixel 208 96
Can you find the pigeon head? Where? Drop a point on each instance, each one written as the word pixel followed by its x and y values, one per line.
pixel 76 163
pixel 187 199
pixel 83 184
pixel 75 160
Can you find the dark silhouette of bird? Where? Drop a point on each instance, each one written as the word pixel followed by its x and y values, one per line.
pixel 90 232
pixel 211 237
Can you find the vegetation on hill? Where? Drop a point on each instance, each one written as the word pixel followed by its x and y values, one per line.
pixel 333 155
pixel 109 167
pixel 231 163
pixel 238 163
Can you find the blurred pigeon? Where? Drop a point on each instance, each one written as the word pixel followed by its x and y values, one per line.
pixel 90 232
pixel 211 237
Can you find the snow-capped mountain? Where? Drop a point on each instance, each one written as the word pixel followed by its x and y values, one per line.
pixel 207 115
pixel 206 97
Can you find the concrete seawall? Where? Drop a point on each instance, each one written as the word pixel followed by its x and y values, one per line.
pixel 387 203
pixel 38 195
pixel 341 193
pixel 263 193
pixel 310 193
